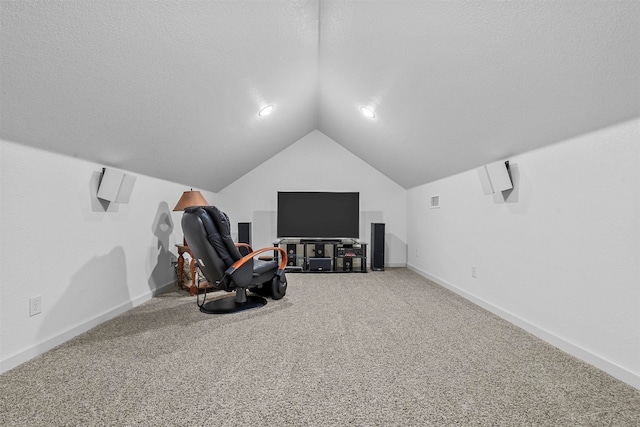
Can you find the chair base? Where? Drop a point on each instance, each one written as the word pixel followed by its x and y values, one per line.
pixel 229 305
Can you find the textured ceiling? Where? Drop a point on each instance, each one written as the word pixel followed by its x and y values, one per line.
pixel 171 89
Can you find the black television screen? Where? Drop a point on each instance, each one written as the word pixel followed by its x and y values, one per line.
pixel 318 215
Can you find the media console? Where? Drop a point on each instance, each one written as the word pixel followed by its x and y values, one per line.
pixel 324 255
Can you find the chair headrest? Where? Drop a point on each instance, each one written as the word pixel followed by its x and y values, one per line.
pixel 218 229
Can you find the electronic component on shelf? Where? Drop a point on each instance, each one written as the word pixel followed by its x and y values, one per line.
pixel 349 252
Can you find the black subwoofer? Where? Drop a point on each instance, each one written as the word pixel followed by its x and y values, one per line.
pixel 320 264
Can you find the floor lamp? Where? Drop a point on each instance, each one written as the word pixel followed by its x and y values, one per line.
pixel 187 200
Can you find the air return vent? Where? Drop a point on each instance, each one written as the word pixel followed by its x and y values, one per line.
pixel 435 202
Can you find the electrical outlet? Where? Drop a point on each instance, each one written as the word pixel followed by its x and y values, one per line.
pixel 35 305
pixel 417 253
pixel 474 271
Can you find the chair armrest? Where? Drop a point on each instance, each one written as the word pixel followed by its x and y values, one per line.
pixel 242 270
pixel 244 245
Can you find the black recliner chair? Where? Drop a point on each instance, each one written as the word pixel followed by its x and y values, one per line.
pixel 207 231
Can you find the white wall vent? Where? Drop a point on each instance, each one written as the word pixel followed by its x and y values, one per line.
pixel 435 202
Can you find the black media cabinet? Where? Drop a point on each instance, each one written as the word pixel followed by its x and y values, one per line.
pixel 324 255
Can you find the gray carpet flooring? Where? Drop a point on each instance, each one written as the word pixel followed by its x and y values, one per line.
pixel 378 349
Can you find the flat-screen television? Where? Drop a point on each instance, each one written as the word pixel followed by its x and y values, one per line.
pixel 318 215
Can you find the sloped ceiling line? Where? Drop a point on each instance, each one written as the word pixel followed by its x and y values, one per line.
pixel 172 89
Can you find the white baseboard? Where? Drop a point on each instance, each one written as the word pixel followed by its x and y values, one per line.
pixel 42 347
pixel 167 287
pixel 552 338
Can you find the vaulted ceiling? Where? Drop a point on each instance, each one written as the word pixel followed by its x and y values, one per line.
pixel 172 89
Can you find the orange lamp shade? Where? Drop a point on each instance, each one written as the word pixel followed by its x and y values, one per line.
pixel 190 198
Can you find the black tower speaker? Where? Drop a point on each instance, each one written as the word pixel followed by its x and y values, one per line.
pixel 377 246
pixel 244 233
pixel 244 236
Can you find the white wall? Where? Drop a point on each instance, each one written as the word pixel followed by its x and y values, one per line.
pixel 89 261
pixel 318 163
pixel 559 256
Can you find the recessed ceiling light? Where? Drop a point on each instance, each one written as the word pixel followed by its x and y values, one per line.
pixel 265 111
pixel 367 112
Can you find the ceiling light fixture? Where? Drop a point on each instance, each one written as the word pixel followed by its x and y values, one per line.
pixel 265 111
pixel 367 112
